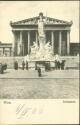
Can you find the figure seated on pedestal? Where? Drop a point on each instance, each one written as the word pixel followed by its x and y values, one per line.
pixel 34 48
pixel 48 46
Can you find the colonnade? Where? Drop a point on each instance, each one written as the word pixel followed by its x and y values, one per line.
pixel 60 42
pixel 21 44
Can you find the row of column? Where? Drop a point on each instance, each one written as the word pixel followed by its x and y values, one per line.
pixel 60 41
pixel 21 44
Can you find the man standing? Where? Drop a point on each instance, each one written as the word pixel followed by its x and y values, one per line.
pixel 16 65
pixel 35 65
pixel 26 65
pixel 23 64
pixel 39 72
pixel 62 64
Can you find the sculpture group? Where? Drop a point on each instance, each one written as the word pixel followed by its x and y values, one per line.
pixel 43 51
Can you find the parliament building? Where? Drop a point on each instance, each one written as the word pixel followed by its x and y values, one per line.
pixel 57 32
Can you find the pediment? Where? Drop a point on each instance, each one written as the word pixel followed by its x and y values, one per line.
pixel 47 20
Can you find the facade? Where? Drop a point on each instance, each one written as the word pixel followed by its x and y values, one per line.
pixel 25 32
pixel 74 48
pixel 5 49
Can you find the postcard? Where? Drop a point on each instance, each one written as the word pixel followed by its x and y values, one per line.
pixel 39 62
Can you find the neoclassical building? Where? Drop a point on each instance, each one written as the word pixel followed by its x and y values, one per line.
pixel 5 49
pixel 57 32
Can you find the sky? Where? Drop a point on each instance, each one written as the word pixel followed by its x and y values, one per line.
pixel 20 10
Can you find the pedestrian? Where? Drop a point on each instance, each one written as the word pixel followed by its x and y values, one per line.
pixel 39 72
pixel 26 65
pixel 1 69
pixel 58 64
pixel 35 65
pixel 16 65
pixel 23 65
pixel 62 64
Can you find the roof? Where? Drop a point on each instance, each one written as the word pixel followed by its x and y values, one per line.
pixel 75 44
pixel 47 20
pixel 5 44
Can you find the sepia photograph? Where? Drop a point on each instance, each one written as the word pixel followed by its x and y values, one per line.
pixel 39 50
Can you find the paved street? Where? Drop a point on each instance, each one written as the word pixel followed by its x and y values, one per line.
pixel 31 73
pixel 23 84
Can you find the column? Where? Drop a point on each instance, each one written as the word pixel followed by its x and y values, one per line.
pixel 10 51
pixel 45 37
pixel 3 50
pixel 22 49
pixel 68 42
pixel 60 39
pixel 20 45
pixel 14 44
pixel 36 38
pixel 52 40
pixel 28 42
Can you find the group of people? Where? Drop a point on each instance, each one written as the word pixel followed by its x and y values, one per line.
pixel 24 65
pixel 59 64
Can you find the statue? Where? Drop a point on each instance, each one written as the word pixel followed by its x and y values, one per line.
pixel 41 31
pixel 43 51
pixel 41 27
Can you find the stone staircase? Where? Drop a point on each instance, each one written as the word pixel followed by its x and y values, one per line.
pixel 72 62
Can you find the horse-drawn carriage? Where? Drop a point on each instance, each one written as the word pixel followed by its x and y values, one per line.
pixel 2 68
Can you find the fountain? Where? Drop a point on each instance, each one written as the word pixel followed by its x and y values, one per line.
pixel 43 51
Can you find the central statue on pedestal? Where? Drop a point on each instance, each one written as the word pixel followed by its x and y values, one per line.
pixel 43 51
pixel 41 34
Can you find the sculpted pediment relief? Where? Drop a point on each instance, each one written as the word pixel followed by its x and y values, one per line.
pixel 47 20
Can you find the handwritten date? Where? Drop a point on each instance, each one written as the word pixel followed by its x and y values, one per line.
pixel 23 111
